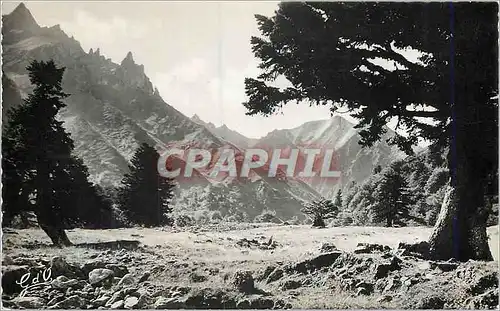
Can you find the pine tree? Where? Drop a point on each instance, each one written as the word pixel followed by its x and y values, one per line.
pixel 320 210
pixel 39 172
pixel 392 198
pixel 145 195
pixel 326 50
pixel 338 200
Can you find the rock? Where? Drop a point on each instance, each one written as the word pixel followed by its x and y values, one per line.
pixel 419 250
pixel 483 283
pixel 261 303
pixel 127 279
pixel 167 303
pixel 118 270
pixel 11 275
pixel 144 277
pixel 117 305
pixel 275 275
pixel 62 282
pixel 29 302
pixel 59 266
pixel 364 288
pixel 243 304
pixel 115 297
pixel 445 266
pixel 244 282
pixel 392 284
pixel 291 284
pixel 98 276
pixel 384 298
pixel 72 302
pixel 101 301
pixel 488 300
pixel 197 278
pixel 432 302
pixel 328 248
pixel 382 270
pixel 131 302
pixel 316 263
pixel 368 248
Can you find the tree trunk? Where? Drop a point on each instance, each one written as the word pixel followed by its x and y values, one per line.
pixel 460 230
pixel 319 222
pixel 56 234
pixel 389 222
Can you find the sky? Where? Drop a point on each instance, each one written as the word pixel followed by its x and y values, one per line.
pixel 196 53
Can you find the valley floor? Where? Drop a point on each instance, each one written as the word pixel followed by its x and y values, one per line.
pixel 292 266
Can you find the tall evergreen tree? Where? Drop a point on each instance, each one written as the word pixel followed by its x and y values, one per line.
pixel 39 172
pixel 145 195
pixel 392 198
pixel 338 200
pixel 352 56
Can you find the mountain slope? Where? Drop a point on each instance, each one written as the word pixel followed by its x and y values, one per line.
pixel 112 108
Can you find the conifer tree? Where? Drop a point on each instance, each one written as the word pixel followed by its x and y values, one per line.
pixel 392 198
pixel 350 56
pixel 338 200
pixel 320 210
pixel 145 195
pixel 39 172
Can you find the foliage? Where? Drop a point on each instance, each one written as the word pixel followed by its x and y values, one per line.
pixel 39 172
pixel 392 198
pixel 145 196
pixel 319 210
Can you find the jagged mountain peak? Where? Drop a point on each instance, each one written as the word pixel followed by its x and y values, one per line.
pixel 196 118
pixel 128 60
pixel 20 19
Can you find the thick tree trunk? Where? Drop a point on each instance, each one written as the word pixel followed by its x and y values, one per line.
pixel 460 230
pixel 56 234
pixel 319 222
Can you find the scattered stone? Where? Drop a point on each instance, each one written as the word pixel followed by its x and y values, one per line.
pixel 364 288
pixel 72 302
pixel 144 277
pixel 98 276
pixel 368 248
pixel 445 266
pixel 483 283
pixel 127 279
pixel 62 282
pixel 167 303
pixel 101 301
pixel 316 263
pixel 419 250
pixel 244 282
pixel 131 302
pixel 291 284
pixel 197 278
pixel 384 298
pixel 382 270
pixel 275 275
pixel 328 248
pixel 432 302
pixel 117 305
pixel 29 302
pixel 488 300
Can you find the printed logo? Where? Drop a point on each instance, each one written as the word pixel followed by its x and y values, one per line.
pixel 27 283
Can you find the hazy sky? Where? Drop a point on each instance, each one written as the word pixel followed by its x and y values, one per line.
pixel 196 53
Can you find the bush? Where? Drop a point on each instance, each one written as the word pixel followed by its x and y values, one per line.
pixel 267 216
pixel 184 221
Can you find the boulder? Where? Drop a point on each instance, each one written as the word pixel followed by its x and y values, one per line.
pixel 127 279
pixel 117 305
pixel 99 276
pixel 29 302
pixel 72 302
pixel 316 263
pixel 131 302
pixel 244 282
pixel 168 303
pixel 290 284
pixel 382 270
pixel 327 248
pixel 368 248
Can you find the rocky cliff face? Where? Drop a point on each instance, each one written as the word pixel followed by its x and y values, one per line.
pixel 114 107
